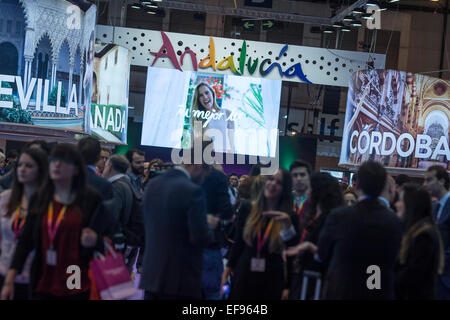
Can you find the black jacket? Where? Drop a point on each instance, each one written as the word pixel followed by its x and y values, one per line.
pixel 353 239
pixel 248 285
pixel 100 184
pixel 416 276
pixel 443 224
pixel 218 201
pixel 176 230
pixel 94 217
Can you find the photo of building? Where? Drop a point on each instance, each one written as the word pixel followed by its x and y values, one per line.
pixel 48 40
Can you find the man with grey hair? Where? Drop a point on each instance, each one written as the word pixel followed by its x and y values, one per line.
pixel 115 171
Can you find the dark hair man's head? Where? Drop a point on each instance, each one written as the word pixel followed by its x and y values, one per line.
pixel 371 178
pixel 90 150
pixel 12 155
pixel 436 181
pixel 301 174
pixel 136 158
pixel 233 180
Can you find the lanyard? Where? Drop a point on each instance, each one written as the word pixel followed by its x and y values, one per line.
pixel 260 241
pixel 305 230
pixel 16 226
pixel 299 206
pixel 52 230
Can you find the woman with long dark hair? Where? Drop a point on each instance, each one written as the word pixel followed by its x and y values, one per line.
pixel 256 256
pixel 65 222
pixel 30 171
pixel 421 256
pixel 325 195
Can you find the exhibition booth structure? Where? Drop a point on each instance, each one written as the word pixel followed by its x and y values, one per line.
pixel 230 87
pixel 399 119
pixel 56 84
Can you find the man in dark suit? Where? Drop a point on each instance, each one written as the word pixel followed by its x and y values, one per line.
pixel 437 182
pixel 357 240
pixel 176 230
pixel 90 150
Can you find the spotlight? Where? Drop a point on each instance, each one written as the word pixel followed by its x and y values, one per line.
pixel 356 23
pixel 367 16
pixel 348 18
pixel 346 29
pixel 358 11
pixel 371 3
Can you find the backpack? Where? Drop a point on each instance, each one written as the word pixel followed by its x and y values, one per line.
pixel 133 230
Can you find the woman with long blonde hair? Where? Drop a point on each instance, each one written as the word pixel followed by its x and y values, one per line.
pixel 263 231
pixel 206 111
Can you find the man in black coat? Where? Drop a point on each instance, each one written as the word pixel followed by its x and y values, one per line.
pixel 359 245
pixel 437 182
pixel 90 151
pixel 176 230
pixel 218 203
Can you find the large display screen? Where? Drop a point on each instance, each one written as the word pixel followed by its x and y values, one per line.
pixel 238 114
pixel 109 108
pixel 399 119
pixel 46 62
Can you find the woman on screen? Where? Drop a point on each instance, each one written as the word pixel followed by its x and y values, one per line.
pixel 204 102
pixel 87 81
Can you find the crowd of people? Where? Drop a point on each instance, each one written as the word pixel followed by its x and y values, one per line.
pixel 193 232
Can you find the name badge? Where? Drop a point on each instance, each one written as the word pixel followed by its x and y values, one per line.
pixel 258 265
pixel 51 257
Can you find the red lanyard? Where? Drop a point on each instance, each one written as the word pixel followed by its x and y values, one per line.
pixel 305 231
pixel 260 241
pixel 53 229
pixel 16 226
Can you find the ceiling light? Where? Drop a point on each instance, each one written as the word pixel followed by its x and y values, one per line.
pixel 367 16
pixel 151 12
pixel 136 6
pixel 328 30
pixel 346 29
pixel 358 11
pixel 338 25
pixel 151 6
pixel 392 1
pixel 371 3
pixel 382 7
pixel 348 18
pixel 146 3
pixel 356 23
